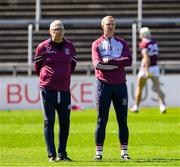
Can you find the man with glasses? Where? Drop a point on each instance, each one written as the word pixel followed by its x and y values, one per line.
pixel 55 60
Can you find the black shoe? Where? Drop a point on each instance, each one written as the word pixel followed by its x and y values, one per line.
pixel 125 157
pixel 63 158
pixel 163 112
pixel 98 157
pixel 52 159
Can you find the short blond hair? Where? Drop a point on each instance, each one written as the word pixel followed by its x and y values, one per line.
pixel 106 18
pixel 145 32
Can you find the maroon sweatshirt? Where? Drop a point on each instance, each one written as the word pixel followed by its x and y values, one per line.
pixel 54 63
pixel 117 51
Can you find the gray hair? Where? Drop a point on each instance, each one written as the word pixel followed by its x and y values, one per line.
pixel 56 23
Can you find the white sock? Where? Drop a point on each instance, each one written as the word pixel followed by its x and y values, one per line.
pixel 123 152
pixel 99 150
pixel 124 149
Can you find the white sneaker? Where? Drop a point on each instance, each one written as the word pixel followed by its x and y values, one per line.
pixel 162 109
pixel 52 159
pixel 134 109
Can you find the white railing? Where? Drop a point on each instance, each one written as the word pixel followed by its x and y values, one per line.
pixel 85 68
pixel 30 43
pixel 134 47
pixel 38 14
pixel 37 21
pixel 139 16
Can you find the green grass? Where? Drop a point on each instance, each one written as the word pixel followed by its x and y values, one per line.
pixel 154 139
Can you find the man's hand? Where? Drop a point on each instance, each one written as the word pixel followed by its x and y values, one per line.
pixel 147 74
pixel 106 60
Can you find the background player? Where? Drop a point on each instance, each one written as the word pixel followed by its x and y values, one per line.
pixel 149 69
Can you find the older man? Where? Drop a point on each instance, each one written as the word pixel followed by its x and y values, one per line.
pixel 55 60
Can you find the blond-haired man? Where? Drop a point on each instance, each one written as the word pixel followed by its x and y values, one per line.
pixel 149 69
pixel 110 54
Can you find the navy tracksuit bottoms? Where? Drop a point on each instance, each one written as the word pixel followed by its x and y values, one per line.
pixel 56 101
pixel 119 97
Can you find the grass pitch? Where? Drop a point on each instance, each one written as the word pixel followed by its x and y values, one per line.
pixel 154 139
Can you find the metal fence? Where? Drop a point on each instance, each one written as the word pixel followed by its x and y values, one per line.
pixel 36 23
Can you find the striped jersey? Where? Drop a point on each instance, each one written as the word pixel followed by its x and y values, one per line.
pixel 152 49
pixel 119 55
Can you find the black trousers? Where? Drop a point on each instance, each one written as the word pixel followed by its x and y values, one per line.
pixel 61 102
pixel 119 96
